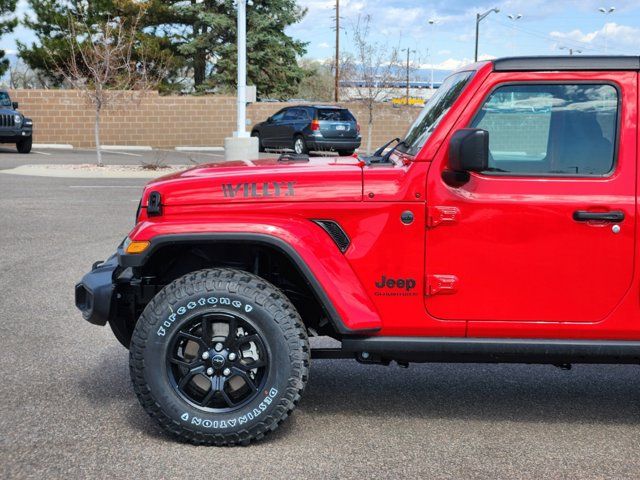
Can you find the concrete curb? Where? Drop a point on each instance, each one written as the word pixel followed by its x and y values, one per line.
pixel 61 171
pixel 146 148
pixel 53 146
pixel 199 149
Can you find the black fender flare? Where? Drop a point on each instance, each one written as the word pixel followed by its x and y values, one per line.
pixel 138 260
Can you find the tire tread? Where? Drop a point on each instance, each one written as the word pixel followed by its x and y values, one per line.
pixel 255 289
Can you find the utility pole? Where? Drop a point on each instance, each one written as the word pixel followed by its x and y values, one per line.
pixel 409 52
pixel 336 96
pixel 479 18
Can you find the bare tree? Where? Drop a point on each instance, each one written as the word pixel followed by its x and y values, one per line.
pixel 376 68
pixel 23 76
pixel 102 66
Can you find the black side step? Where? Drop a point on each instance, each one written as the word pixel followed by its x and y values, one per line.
pixel 493 350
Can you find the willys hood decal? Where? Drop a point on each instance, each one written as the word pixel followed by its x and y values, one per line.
pixel 264 180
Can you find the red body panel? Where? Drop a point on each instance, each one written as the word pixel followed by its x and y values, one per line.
pixel 523 267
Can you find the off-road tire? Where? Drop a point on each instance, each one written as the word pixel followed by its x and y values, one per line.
pixel 260 146
pixel 345 153
pixel 24 145
pixel 270 311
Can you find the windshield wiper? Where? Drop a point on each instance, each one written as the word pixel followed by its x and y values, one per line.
pixel 378 156
pixel 386 158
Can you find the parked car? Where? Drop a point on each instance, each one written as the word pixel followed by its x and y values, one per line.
pixel 14 127
pixel 502 228
pixel 304 128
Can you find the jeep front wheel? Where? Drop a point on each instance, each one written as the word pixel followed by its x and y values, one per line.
pixel 24 145
pixel 219 357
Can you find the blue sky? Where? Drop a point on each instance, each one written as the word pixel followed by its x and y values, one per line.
pixel 545 26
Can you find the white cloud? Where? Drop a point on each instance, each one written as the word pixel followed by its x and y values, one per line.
pixel 323 45
pixel 444 52
pixel 455 63
pixel 613 34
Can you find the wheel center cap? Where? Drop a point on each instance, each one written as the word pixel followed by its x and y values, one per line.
pixel 217 361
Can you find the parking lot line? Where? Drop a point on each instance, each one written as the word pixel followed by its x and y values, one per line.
pixel 41 153
pixel 105 186
pixel 122 153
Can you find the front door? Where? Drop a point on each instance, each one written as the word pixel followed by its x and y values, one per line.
pixel 271 130
pixel 546 234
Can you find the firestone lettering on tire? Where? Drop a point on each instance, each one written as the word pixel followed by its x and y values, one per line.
pixel 162 329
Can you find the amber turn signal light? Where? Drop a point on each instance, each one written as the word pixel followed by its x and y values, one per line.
pixel 137 247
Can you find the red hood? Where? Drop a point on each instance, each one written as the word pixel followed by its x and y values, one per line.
pixel 337 179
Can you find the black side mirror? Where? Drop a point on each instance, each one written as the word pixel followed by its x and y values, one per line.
pixel 270 119
pixel 468 152
pixel 14 105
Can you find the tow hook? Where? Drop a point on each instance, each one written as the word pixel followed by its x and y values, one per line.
pixel 563 366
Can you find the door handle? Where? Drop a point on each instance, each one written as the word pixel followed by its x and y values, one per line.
pixel 610 216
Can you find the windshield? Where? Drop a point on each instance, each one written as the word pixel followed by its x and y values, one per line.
pixel 436 107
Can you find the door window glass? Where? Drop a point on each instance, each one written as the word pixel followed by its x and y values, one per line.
pixel 293 114
pixel 278 116
pixel 551 129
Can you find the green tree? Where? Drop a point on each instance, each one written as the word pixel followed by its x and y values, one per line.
pixel 7 23
pixel 198 35
pixel 53 22
pixel 203 35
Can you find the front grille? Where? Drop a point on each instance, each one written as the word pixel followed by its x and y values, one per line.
pixel 7 120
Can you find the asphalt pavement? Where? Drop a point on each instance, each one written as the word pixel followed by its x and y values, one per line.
pixel 67 408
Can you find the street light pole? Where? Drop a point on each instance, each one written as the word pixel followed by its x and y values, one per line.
pixel 606 11
pixel 571 50
pixel 409 51
pixel 241 146
pixel 433 22
pixel 479 18
pixel 514 17
pixel 242 70
pixel 336 95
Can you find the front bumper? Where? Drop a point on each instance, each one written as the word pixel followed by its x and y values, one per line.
pixel 94 293
pixel 14 135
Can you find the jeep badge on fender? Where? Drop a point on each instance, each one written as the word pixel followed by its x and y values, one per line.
pixel 502 228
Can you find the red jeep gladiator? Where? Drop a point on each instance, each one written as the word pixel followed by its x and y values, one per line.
pixel 501 228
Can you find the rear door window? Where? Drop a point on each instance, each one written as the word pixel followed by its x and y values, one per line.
pixel 551 129
pixel 335 114
pixel 292 114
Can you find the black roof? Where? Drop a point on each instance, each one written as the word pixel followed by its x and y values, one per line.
pixel 571 62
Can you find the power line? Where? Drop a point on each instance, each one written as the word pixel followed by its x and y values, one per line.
pixel 577 43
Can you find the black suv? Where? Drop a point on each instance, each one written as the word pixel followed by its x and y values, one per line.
pixel 310 127
pixel 14 127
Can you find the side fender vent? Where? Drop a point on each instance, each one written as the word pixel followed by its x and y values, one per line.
pixel 336 233
pixel 154 205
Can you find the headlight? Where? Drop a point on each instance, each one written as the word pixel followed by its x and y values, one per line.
pixel 18 118
pixel 28 122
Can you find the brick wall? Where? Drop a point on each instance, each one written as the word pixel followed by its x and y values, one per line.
pixel 64 116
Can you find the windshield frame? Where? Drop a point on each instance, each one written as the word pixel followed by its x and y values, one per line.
pixel 424 132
